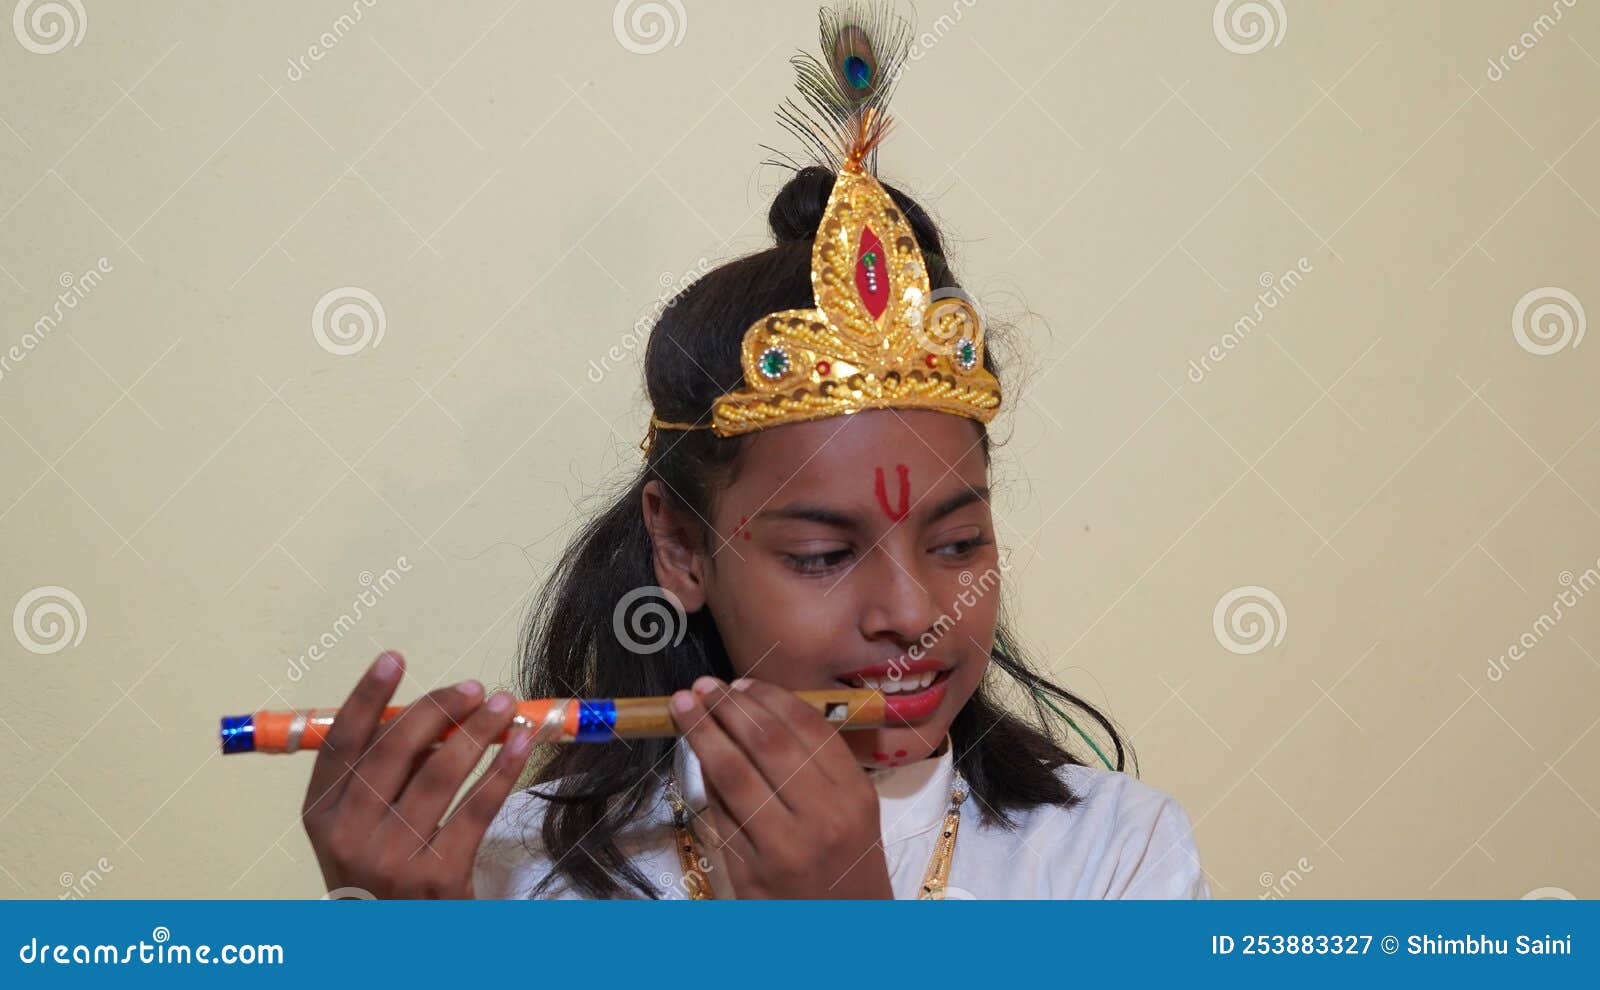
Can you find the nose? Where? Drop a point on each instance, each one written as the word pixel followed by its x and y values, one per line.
pixel 898 603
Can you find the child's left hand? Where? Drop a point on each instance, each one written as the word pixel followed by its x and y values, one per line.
pixel 795 815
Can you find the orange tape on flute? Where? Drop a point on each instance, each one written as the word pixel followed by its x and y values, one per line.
pixel 553 720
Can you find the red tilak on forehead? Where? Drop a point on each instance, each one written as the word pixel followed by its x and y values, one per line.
pixel 895 514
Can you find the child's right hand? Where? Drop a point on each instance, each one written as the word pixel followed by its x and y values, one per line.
pixel 377 793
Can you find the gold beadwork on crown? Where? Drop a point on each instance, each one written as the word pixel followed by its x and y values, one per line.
pixel 878 337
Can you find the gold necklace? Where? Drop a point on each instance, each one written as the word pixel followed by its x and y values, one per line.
pixel 698 886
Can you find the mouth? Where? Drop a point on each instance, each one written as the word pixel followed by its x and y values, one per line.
pixel 911 691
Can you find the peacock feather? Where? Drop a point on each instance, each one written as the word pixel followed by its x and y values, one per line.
pixel 845 93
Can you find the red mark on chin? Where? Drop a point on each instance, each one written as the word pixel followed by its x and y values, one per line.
pixel 880 757
pixel 895 514
pixel 899 752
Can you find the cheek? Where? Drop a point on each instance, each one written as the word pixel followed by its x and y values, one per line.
pixel 773 629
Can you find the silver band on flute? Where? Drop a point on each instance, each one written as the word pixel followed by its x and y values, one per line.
pixel 297 728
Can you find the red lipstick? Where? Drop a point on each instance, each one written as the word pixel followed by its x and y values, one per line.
pixel 905 699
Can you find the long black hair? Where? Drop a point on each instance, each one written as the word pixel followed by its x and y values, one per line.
pixel 571 647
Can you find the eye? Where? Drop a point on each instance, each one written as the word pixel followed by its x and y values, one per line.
pixel 962 549
pixel 817 563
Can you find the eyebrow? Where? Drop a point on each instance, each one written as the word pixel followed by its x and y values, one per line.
pixel 817 513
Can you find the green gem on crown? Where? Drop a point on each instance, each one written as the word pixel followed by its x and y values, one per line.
pixel 869 259
pixel 774 362
pixel 966 353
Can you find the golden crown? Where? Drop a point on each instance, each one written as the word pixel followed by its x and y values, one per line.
pixel 878 337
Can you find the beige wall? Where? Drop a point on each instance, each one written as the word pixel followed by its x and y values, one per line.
pixel 1406 479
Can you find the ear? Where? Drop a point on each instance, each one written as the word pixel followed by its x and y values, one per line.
pixel 675 548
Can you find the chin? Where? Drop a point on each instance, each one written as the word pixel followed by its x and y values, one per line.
pixel 897 745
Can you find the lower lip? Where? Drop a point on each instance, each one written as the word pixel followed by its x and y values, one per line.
pixel 910 706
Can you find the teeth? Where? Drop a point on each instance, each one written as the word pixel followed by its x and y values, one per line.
pixel 904 684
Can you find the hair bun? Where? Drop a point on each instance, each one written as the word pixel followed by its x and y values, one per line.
pixel 796 215
pixel 797 210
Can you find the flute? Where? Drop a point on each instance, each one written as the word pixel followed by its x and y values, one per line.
pixel 553 720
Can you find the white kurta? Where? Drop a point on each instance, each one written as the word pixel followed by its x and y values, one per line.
pixel 1124 839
